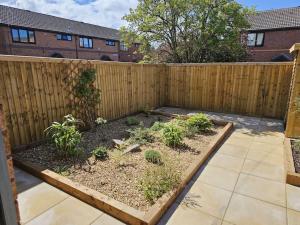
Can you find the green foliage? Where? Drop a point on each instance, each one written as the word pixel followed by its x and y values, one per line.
pixel 153 156
pixel 157 126
pixel 87 96
pixel 199 121
pixel 296 145
pixel 159 180
pixel 188 31
pixel 140 135
pixel 100 153
pixel 62 170
pixel 131 121
pixel 172 134
pixel 65 136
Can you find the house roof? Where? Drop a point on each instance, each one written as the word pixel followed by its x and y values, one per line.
pixel 29 19
pixel 275 19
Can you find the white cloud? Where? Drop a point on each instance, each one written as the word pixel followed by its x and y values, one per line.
pixel 106 13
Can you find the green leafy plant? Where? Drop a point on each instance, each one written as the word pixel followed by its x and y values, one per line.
pixel 153 156
pixel 100 153
pixel 200 121
pixel 119 157
pixel 131 121
pixel 62 170
pixel 159 180
pixel 87 96
pixel 172 134
pixel 65 136
pixel 140 135
pixel 157 126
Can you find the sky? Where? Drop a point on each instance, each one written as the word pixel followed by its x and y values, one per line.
pixel 109 13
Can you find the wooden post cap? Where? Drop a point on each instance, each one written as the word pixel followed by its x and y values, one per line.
pixel 295 47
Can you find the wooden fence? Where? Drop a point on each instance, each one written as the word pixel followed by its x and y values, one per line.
pixel 256 89
pixel 34 93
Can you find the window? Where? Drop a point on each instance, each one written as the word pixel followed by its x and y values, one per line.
pixel 255 39
pixel 85 42
pixel 64 37
pixel 123 46
pixel 136 45
pixel 22 35
pixel 110 42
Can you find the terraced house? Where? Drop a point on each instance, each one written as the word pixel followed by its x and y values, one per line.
pixel 28 33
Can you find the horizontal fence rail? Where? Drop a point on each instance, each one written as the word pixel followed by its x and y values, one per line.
pixel 34 93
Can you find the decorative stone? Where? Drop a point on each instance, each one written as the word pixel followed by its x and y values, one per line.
pixel 131 148
pixel 118 142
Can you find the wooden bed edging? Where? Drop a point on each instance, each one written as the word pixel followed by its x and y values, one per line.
pixel 115 208
pixel 291 176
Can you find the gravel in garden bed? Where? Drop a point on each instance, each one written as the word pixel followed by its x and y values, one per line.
pixel 296 157
pixel 120 182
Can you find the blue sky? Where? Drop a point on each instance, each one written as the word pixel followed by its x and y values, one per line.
pixel 109 12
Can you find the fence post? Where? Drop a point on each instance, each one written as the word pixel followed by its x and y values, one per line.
pixel 293 113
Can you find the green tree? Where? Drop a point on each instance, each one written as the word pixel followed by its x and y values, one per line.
pixel 188 31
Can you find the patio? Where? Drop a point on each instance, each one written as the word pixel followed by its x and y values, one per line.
pixel 242 183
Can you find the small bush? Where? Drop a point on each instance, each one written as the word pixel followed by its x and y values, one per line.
pixel 153 156
pixel 131 121
pixel 140 135
pixel 190 131
pixel 159 180
pixel 157 126
pixel 172 134
pixel 200 121
pixel 100 121
pixel 100 153
pixel 65 136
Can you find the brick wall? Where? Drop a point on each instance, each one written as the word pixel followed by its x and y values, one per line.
pixel 276 42
pixel 7 149
pixel 47 44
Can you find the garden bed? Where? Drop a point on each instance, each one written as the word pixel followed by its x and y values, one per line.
pixel 292 161
pixel 118 177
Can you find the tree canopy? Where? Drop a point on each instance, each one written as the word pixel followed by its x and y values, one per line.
pixel 188 31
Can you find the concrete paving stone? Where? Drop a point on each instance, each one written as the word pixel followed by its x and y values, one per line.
pixel 69 212
pixel 293 197
pixel 219 177
pixel 293 217
pixel 228 162
pixel 106 219
pixel 268 147
pixel 208 199
pixel 266 157
pixel 255 187
pixel 38 199
pixel 265 170
pixel 233 150
pixel 243 210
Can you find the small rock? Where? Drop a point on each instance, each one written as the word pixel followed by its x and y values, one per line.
pixel 131 148
pixel 118 142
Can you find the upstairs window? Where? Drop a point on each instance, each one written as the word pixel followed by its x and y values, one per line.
pixel 85 42
pixel 255 39
pixel 136 45
pixel 23 35
pixel 110 42
pixel 123 46
pixel 64 37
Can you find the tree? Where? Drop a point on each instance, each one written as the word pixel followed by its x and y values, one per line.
pixel 188 31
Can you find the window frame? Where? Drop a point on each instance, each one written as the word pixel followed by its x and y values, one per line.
pixel 62 35
pixel 123 47
pixel 19 39
pixel 110 42
pixel 88 40
pixel 255 43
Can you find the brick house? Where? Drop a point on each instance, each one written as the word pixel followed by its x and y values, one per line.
pixel 24 32
pixel 272 33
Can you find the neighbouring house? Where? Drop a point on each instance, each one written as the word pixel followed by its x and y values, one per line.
pixel 28 33
pixel 272 33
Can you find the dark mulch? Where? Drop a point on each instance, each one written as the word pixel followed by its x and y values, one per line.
pixel 296 157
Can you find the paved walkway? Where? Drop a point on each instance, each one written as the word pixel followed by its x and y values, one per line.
pixel 243 183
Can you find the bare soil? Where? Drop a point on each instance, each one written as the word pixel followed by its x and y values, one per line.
pixel 119 181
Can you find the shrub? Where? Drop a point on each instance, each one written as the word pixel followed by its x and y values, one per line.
pixel 140 135
pixel 157 126
pixel 159 180
pixel 65 136
pixel 100 153
pixel 200 121
pixel 132 121
pixel 153 156
pixel 172 134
